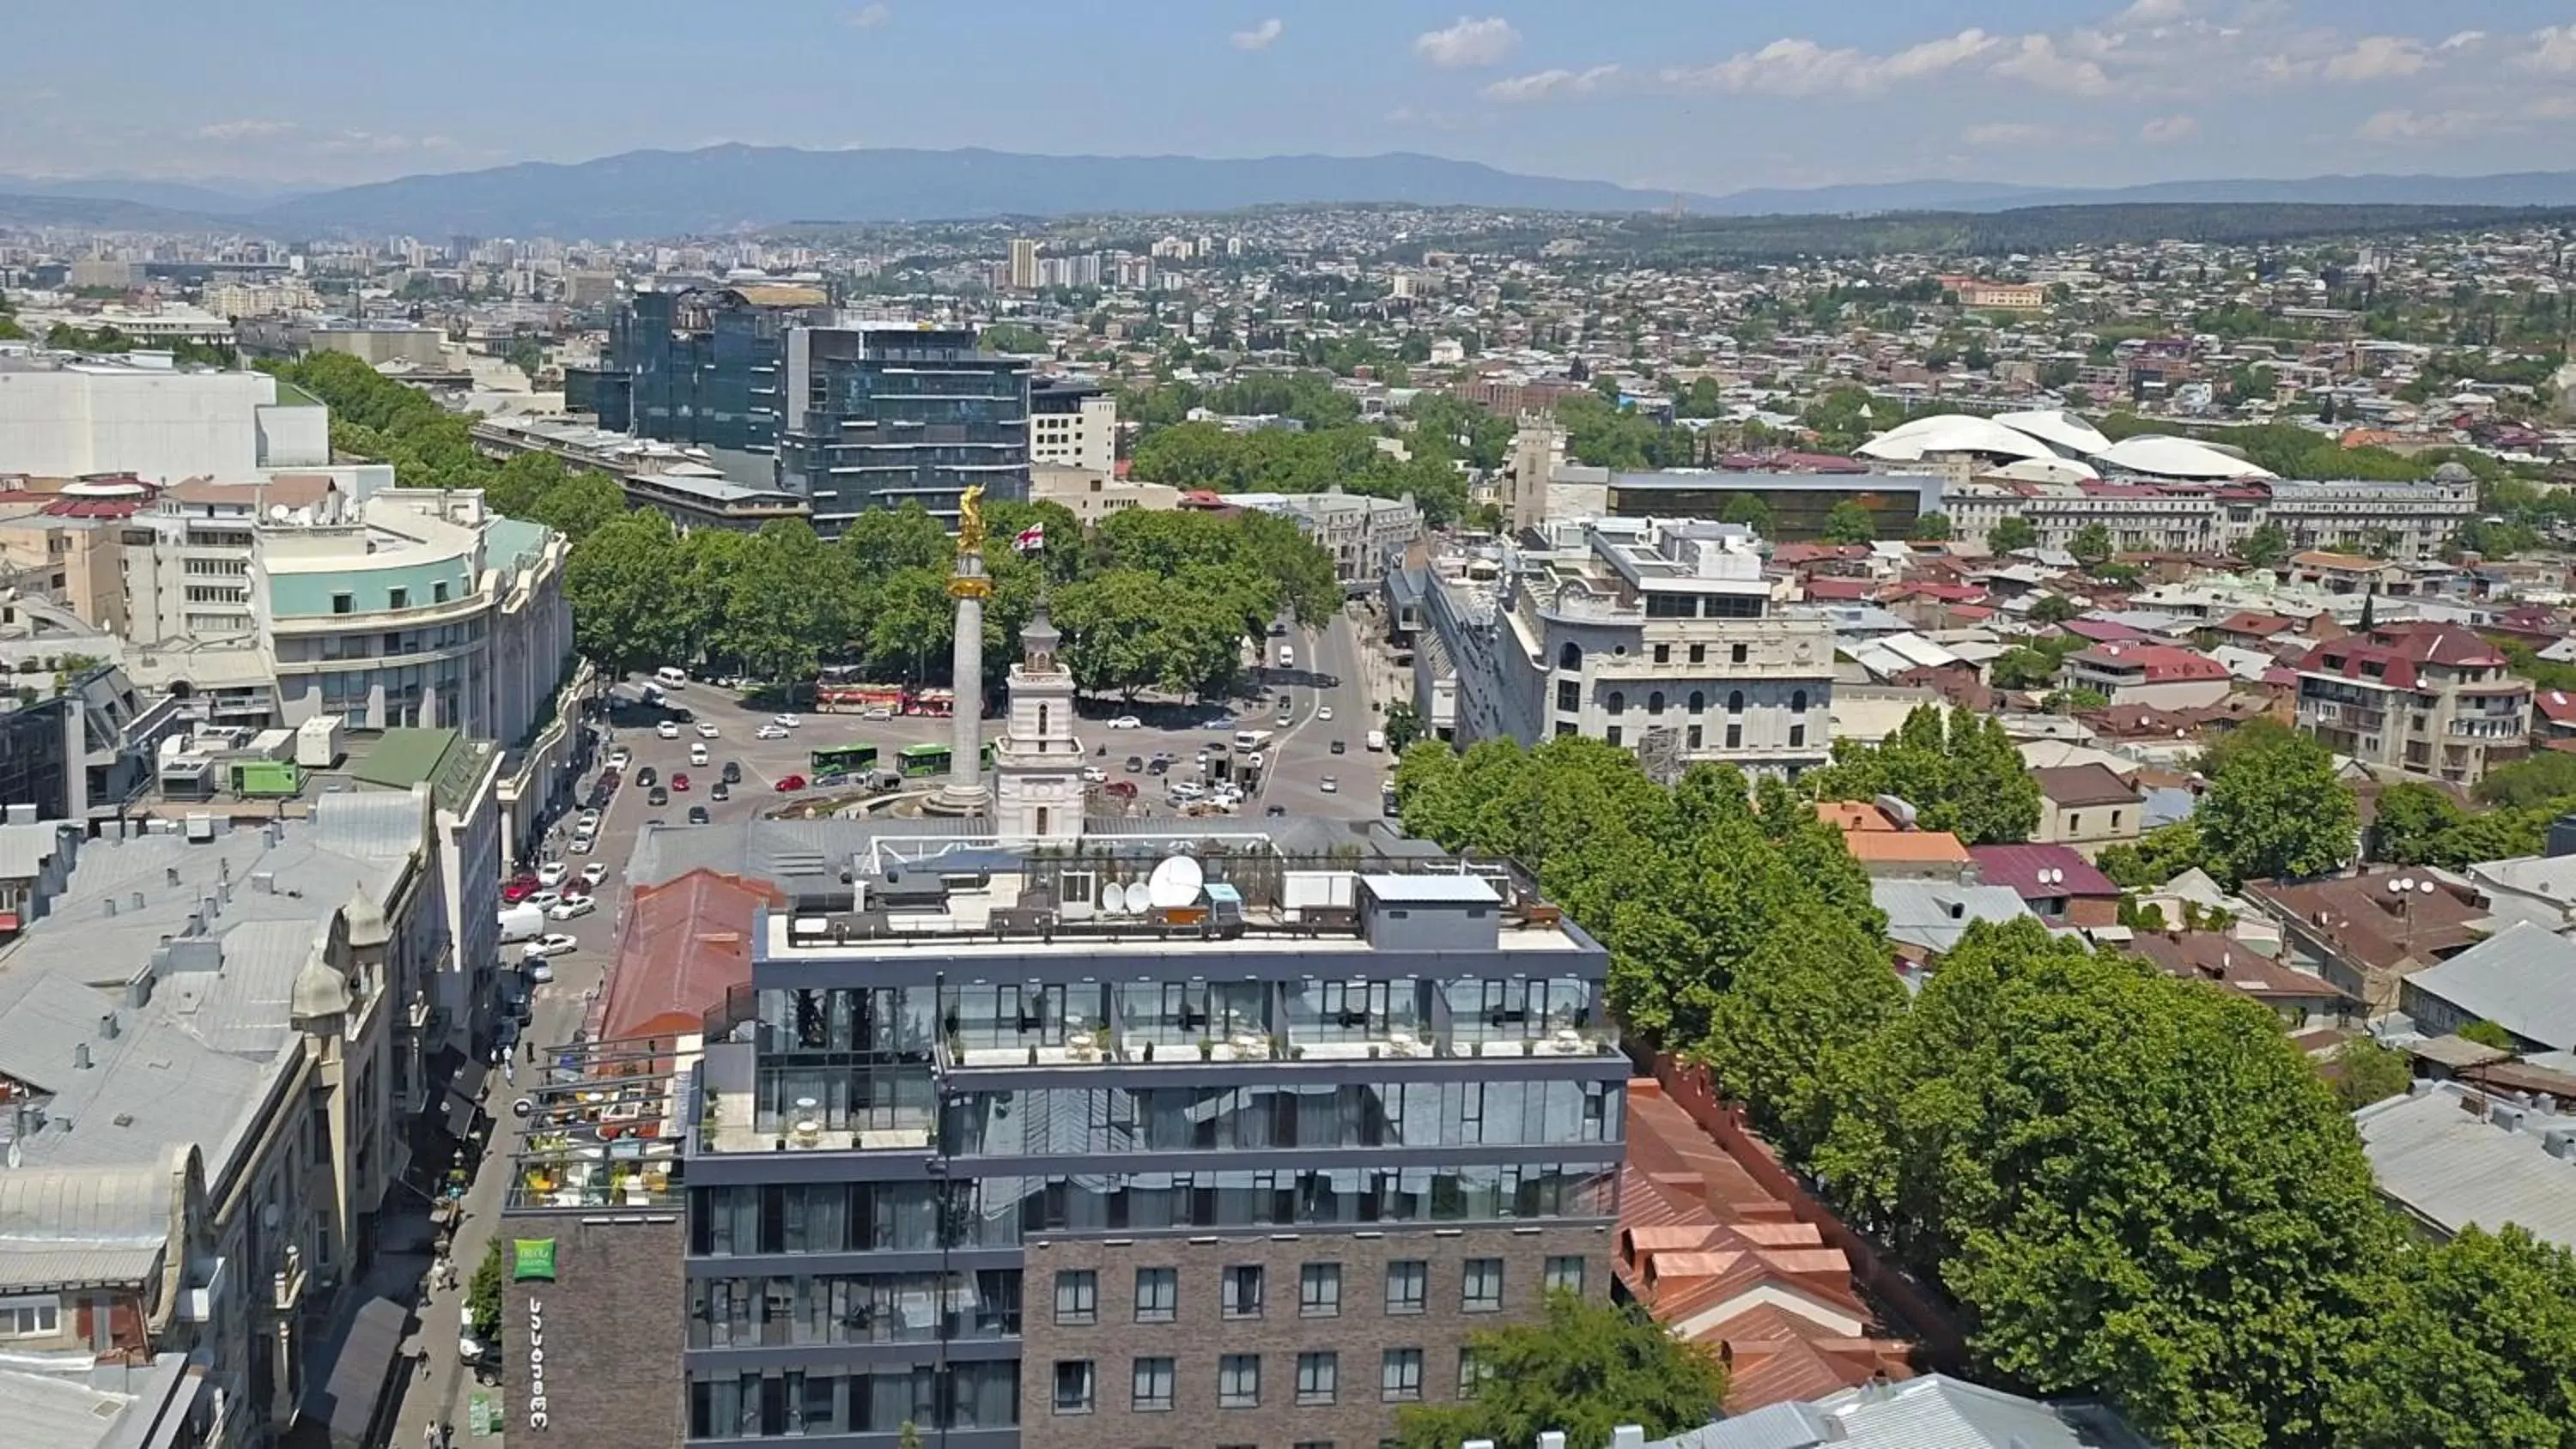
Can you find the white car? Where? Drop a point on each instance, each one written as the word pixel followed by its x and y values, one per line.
pixel 1094 775
pixel 707 729
pixel 785 721
pixel 589 821
pixel 697 755
pixel 572 908
pixel 552 944
pixel 583 842
pixel 1187 791
pixel 1328 784
pixel 667 730
pixel 1126 722
pixel 552 873
pixel 543 900
pixel 1324 713
pixel 770 732
pixel 876 712
pixel 620 758
pixel 538 969
pixel 594 873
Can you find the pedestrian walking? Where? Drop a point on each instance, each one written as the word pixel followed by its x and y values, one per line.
pixel 510 1070
pixel 429 1436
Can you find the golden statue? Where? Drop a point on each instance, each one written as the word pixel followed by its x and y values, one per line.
pixel 970 521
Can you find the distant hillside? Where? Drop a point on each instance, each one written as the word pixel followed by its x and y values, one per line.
pixel 215 196
pixel 663 193
pixel 2521 188
pixel 108 215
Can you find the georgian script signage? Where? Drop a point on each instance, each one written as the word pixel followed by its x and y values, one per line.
pixel 537 1417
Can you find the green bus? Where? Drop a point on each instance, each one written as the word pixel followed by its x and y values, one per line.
pixel 844 760
pixel 918 762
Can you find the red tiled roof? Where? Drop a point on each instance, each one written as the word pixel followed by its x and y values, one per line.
pixel 2399 650
pixel 2019 866
pixel 685 944
pixel 2262 626
pixel 2092 783
pixel 2557 705
pixel 2163 663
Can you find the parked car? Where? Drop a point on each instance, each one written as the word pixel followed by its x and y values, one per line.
pixel 1328 784
pixel 1094 775
pixel 620 758
pixel 1275 811
pixel 698 815
pixel 554 943
pixel 770 732
pixel 539 971
pixel 698 754
pixel 785 721
pixel 722 791
pixel 1126 722
pixel 679 779
pixel 593 874
pixel 520 887
pixel 1135 764
pixel 572 907
pixel 1219 722
pixel 733 772
pixel 1123 789
pixel 707 729
pixel 667 730
pixel 583 842
pixel 790 783
pixel 552 873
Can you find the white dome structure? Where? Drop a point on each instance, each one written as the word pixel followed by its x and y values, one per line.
pixel 2059 429
pixel 1951 433
pixel 2158 455
pixel 2044 470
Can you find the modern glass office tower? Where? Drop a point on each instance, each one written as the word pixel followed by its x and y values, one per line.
pixel 1075 1137
pixel 705 365
pixel 877 417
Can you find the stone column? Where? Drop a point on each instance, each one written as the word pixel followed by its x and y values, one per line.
pixel 964 794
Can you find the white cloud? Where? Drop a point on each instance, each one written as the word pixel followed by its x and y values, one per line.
pixel 1259 37
pixel 2378 57
pixel 2402 126
pixel 1548 85
pixel 1793 67
pixel 870 16
pixel 2039 62
pixel 380 143
pixel 1468 43
pixel 2463 40
pixel 2006 135
pixel 242 130
pixel 2165 130
pixel 2553 49
pixel 2153 12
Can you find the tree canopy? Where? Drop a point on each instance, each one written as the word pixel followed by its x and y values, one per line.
pixel 2275 806
pixel 1960 772
pixel 1583 1369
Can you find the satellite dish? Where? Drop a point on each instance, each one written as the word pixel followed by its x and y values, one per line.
pixel 1113 898
pixel 1175 882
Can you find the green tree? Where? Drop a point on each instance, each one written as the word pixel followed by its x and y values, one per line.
pixel 2413 824
pixel 1402 726
pixel 1848 522
pixel 2487 1034
pixel 2364 1072
pixel 2133 1184
pixel 483 1293
pixel 581 507
pixel 1930 528
pixel 2034 665
pixel 2154 858
pixel 628 612
pixel 2267 547
pixel 2474 1343
pixel 1749 510
pixel 2091 545
pixel 1014 337
pixel 2012 535
pixel 1800 1008
pixel 1961 773
pixel 2549 775
pixel 1583 1369
pixel 2276 808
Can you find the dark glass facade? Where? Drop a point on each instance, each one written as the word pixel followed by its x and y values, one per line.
pixel 36 758
pixel 703 369
pixel 883 416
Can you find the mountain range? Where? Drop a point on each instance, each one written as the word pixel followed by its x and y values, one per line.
pixel 725 188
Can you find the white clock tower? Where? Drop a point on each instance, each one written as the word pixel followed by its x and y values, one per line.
pixel 1037 763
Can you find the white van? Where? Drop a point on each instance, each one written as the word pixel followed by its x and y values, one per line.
pixel 671 676
pixel 1287 656
pixel 698 754
pixel 1376 739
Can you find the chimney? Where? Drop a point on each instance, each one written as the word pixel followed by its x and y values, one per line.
pixel 80 1056
pixel 110 903
pixel 107 1025
pixel 1552 1439
pixel 1628 1436
pixel 172 872
pixel 138 900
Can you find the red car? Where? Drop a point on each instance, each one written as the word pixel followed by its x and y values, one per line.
pixel 679 782
pixel 519 889
pixel 791 782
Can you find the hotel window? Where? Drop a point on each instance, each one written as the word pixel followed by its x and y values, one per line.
pixel 1663 654
pixel 1408 1284
pixel 1565 1274
pixel 1699 654
pixel 1736 654
pixel 1319 1290
pixel 1153 1385
pixel 1399 1378
pixel 342 603
pixel 1077 1297
pixel 1735 701
pixel 1158 1294
pixel 1242 1292
pixel 1655 702
pixel 1318 1378
pixel 1238 1381
pixel 1617 703
pixel 1482 1290
pixel 397 598
pixel 1073 1386
pixel 1471 1373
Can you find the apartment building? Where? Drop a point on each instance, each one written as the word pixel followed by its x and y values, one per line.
pixel 1073 425
pixel 1662 635
pixel 1363 535
pixel 205 1053
pixel 1092 497
pixel 1062 1138
pixel 2426 699
pixel 2408 521
pixel 881 416
pixel 2161 676
pixel 74 417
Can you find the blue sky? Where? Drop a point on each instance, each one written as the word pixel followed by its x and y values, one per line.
pixel 1704 95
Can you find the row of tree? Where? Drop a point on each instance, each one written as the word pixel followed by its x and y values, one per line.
pixel 2132 1185
pixel 1147 601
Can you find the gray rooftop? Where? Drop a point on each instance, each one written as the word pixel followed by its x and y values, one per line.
pixel 2453 1167
pixel 2523 979
pixel 64 1227
pixel 1431 890
pixel 153 1087
pixel 1933 915
pixel 61 1412
pixel 1932 1412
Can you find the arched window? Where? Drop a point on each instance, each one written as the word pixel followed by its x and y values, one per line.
pixel 1698 701
pixel 1655 702
pixel 1798 702
pixel 1735 701
pixel 1618 702
pixel 1569 658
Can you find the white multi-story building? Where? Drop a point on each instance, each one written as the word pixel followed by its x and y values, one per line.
pixel 1073 425
pixel 73 417
pixel 2411 520
pixel 1366 536
pixel 1662 635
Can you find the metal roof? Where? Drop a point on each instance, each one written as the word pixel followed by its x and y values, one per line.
pixel 2523 979
pixel 1431 890
pixel 2453 1167
pixel 66 1226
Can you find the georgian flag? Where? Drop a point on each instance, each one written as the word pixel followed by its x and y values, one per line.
pixel 1030 539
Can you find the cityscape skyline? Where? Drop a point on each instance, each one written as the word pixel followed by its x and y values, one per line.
pixel 1652 95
